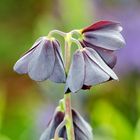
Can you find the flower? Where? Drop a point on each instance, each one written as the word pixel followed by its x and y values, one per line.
pixel 87 69
pixel 104 37
pixel 53 124
pixel 43 61
pixel 82 129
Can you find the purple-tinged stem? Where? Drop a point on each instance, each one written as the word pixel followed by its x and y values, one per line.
pixel 68 116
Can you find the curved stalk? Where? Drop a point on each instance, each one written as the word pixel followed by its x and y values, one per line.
pixel 76 42
pixel 51 33
pixel 60 126
pixel 77 32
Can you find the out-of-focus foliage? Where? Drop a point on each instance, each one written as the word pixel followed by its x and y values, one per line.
pixel 113 109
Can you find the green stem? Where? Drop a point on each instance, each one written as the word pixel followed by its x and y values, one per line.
pixel 67 54
pixel 69 119
pixel 51 33
pixel 76 42
pixel 67 97
pixel 76 32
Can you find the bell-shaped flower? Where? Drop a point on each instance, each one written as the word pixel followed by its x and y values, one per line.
pixel 105 38
pixel 82 129
pixel 49 133
pixel 87 69
pixel 43 61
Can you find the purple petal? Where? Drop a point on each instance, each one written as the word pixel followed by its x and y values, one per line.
pixel 82 129
pixel 94 56
pixel 102 25
pixel 51 128
pixel 107 55
pixel 37 42
pixel 93 73
pixel 58 74
pixel 42 62
pixel 76 73
pixel 21 65
pixel 107 40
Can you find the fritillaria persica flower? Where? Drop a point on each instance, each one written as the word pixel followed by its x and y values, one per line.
pixel 82 129
pixel 43 61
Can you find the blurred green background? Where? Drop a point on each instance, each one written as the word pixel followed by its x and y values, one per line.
pixel 113 109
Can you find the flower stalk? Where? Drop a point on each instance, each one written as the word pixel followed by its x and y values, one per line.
pixel 67 52
pixel 51 33
pixel 58 129
pixel 67 97
pixel 69 119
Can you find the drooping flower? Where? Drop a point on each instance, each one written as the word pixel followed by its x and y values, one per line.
pixel 49 133
pixel 87 69
pixel 43 61
pixel 82 129
pixel 104 37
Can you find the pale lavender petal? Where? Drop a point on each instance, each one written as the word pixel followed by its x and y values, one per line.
pixel 42 63
pixel 21 65
pixel 107 39
pixel 94 56
pixel 76 73
pixel 57 118
pixel 82 129
pixel 93 73
pixel 58 75
pixel 107 55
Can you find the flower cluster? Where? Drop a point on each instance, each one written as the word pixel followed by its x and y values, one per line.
pixel 91 64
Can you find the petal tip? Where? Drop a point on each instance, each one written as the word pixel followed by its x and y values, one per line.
pixel 18 69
